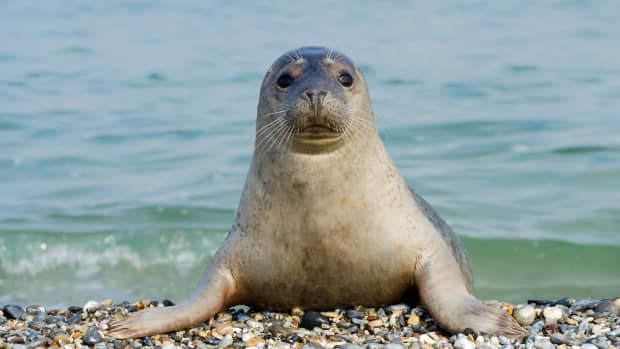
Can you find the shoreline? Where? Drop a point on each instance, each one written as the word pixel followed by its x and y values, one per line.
pixel 564 323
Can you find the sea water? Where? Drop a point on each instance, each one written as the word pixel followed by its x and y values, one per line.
pixel 126 132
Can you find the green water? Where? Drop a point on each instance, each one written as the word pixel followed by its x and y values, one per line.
pixel 126 131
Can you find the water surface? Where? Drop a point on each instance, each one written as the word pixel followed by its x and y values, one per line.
pixel 126 130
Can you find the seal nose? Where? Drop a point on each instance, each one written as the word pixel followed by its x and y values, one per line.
pixel 316 96
pixel 318 113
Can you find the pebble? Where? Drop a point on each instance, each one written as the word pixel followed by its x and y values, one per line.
pixel 225 342
pixel 552 314
pixel 348 346
pixel 75 309
pixel 463 343
pixel 92 337
pixel 607 307
pixel 12 311
pixel 567 302
pixel 536 328
pixel 585 304
pixel 312 319
pixel 588 346
pixel 543 343
pixel 74 319
pixel 413 320
pixel 393 346
pixel 524 314
pixel 355 314
pixel 35 309
pixel 91 306
pixel 599 342
pixel 380 328
pixel 313 346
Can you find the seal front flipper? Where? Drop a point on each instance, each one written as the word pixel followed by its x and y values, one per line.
pixel 216 291
pixel 443 293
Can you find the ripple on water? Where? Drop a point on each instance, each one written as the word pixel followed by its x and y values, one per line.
pixel 78 50
pixel 583 149
pixel 523 69
pixel 463 90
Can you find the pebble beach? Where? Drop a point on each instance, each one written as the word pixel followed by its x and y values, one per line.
pixel 562 323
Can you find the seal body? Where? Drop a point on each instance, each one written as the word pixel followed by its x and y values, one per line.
pixel 325 219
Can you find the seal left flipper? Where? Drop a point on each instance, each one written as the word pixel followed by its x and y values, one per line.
pixel 443 293
pixel 216 290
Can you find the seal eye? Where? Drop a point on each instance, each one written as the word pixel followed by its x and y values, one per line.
pixel 285 81
pixel 345 79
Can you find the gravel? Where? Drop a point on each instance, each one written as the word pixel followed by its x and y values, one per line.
pixel 565 323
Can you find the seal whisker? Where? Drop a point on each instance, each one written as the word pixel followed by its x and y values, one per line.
pixel 345 135
pixel 329 54
pixel 289 136
pixel 282 138
pixel 362 123
pixel 277 137
pixel 261 146
pixel 277 112
pixel 269 125
pixel 353 129
pixel 273 137
pixel 267 137
pixel 266 128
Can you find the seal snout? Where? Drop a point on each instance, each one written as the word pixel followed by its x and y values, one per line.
pixel 317 114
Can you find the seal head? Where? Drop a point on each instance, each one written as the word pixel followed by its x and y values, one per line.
pixel 309 97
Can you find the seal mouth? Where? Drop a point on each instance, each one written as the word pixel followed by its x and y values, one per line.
pixel 317 132
pixel 316 138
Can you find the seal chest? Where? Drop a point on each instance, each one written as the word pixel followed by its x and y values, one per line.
pixel 327 244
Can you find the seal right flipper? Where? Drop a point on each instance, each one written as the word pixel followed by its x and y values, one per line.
pixel 216 291
pixel 444 295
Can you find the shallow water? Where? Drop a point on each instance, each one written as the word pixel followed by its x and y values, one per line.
pixel 126 130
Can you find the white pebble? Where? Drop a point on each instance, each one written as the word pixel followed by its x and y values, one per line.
pixel 426 339
pixel 463 343
pixel 168 345
pixel 226 341
pixel 524 314
pixel 552 315
pixel 589 346
pixel 91 306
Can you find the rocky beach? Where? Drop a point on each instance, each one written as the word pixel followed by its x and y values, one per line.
pixel 563 323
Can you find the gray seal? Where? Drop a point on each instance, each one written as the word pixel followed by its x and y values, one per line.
pixel 325 219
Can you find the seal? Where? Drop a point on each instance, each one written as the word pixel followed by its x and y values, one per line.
pixel 325 219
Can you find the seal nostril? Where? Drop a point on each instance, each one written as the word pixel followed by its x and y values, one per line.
pixel 312 94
